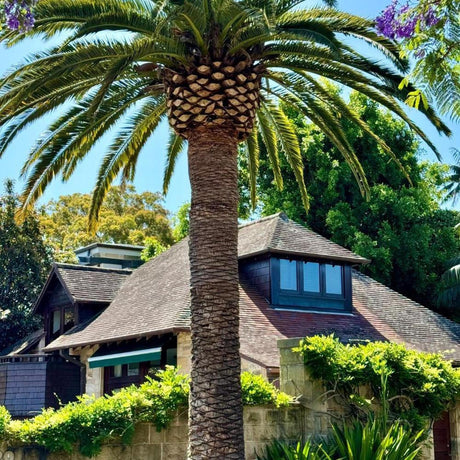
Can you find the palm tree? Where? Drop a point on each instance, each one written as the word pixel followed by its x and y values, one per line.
pixel 452 187
pixel 217 70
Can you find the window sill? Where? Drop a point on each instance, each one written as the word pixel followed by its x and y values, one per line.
pixel 312 310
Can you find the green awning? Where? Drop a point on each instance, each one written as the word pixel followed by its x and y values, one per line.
pixel 149 354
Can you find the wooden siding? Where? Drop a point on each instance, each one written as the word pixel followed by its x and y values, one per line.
pixel 257 271
pixel 62 383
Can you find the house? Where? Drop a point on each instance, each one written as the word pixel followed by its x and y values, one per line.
pixel 114 325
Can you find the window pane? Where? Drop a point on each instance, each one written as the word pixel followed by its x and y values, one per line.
pixel 333 279
pixel 310 277
pixel 56 321
pixel 288 274
pixel 68 319
pixel 117 370
pixel 133 369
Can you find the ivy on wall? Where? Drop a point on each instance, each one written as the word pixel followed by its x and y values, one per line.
pixel 88 422
pixel 416 386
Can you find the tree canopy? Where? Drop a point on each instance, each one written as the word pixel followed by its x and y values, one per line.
pixel 24 264
pixel 126 217
pixel 403 229
pixel 429 33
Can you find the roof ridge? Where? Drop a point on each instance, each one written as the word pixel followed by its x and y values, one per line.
pixel 91 268
pixel 280 214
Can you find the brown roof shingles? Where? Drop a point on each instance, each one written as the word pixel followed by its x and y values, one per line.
pixel 91 284
pixel 280 235
pixel 155 299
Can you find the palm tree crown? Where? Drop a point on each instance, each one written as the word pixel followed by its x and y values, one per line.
pixel 200 62
pixel 217 69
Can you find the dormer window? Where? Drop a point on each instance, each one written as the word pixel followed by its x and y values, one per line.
pixel 311 284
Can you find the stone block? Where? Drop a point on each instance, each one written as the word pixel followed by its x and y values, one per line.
pixel 176 451
pixel 146 452
pixel 176 434
pixel 253 415
pixel 114 452
pixel 252 449
pixel 156 437
pixel 141 434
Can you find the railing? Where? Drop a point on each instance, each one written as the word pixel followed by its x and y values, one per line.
pixel 32 358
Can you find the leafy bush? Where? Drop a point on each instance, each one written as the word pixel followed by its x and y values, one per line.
pixel 420 386
pixel 5 418
pixel 257 391
pixel 90 421
pixel 373 440
pixel 279 450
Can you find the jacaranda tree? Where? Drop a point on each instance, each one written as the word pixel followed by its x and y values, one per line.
pixel 216 70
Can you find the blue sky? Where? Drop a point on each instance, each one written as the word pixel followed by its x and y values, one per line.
pixel 151 162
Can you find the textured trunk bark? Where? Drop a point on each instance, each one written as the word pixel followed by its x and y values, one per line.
pixel 216 413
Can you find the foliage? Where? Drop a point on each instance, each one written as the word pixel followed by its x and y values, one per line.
pixel 396 219
pixel 429 32
pixel 90 421
pixel 257 391
pixel 181 222
pixel 127 217
pixel 282 450
pixel 152 248
pixel 105 73
pixel 449 290
pixel 374 440
pixel 419 386
pixel 371 440
pixel 452 187
pixel 5 419
pixel 24 265
pixel 17 14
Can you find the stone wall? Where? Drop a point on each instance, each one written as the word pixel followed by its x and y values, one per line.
pixel 311 416
pixel 261 425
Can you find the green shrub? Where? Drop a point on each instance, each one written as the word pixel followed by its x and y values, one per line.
pixel 90 421
pixel 279 450
pixel 420 386
pixel 373 440
pixel 5 418
pixel 257 391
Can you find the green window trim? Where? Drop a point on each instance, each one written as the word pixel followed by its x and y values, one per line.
pixel 301 299
pixel 139 356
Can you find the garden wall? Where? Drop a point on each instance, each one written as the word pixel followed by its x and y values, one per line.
pixel 310 416
pixel 261 425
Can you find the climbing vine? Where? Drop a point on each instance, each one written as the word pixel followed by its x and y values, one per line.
pixel 417 386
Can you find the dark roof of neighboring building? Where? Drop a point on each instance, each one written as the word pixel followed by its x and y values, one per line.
pixel 155 299
pixel 278 234
pixel 86 284
pixel 108 245
pixel 24 345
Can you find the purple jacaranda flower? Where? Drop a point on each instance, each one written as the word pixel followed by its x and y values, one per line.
pixel 430 18
pixel 18 14
pixel 12 22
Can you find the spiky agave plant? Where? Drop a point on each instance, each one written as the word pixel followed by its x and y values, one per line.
pixel 217 70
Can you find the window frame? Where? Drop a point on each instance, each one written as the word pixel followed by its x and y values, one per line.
pixel 307 300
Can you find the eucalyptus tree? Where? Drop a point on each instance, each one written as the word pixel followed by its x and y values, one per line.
pixel 216 69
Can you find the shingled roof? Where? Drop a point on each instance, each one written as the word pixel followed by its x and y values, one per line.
pixel 155 299
pixel 86 284
pixel 278 234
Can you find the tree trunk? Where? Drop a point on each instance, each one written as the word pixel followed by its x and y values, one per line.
pixel 216 413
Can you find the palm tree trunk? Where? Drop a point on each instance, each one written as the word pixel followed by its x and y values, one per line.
pixel 216 413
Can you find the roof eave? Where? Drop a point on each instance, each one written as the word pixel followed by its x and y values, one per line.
pixel 173 330
pixel 352 260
